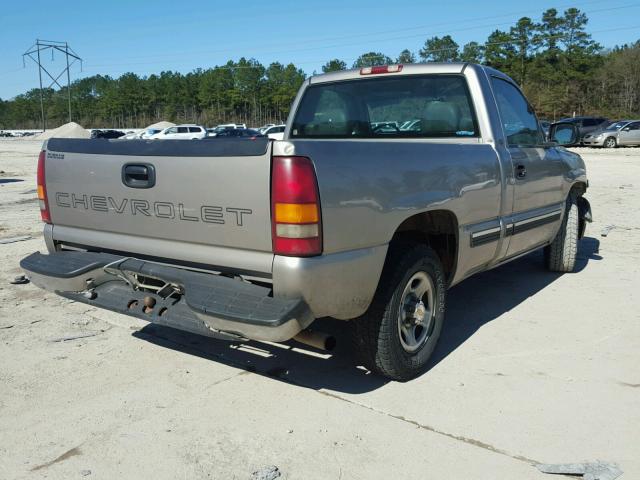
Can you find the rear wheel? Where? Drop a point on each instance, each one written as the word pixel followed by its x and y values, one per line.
pixel 610 142
pixel 561 255
pixel 399 332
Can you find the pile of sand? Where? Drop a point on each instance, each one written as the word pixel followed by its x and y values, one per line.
pixel 160 125
pixel 68 130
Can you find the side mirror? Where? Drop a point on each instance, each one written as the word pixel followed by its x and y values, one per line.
pixel 564 134
pixel 626 129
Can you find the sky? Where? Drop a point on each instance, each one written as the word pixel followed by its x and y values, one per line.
pixel 115 37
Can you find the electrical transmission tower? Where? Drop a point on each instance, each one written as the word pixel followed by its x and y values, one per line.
pixel 34 53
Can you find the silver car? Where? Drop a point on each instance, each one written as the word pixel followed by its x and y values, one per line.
pixel 624 132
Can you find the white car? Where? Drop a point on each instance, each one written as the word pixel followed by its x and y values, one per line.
pixel 181 132
pixel 149 132
pixel 276 132
pixel 265 127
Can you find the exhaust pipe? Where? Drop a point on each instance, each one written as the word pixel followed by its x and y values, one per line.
pixel 320 340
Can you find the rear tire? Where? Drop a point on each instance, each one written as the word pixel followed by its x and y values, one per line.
pixel 399 331
pixel 561 255
pixel 610 142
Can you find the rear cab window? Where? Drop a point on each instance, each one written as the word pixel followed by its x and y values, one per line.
pixel 409 106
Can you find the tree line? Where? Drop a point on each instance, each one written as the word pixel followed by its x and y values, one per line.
pixel 560 67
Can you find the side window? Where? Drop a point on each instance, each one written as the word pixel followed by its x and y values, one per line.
pixel 279 130
pixel 171 130
pixel 518 118
pixel 183 130
pixel 589 122
pixel 195 129
pixel 634 126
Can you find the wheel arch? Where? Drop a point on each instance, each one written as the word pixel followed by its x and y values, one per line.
pixel 436 228
pixel 579 188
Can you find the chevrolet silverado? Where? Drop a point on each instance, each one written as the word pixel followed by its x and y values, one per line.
pixel 392 184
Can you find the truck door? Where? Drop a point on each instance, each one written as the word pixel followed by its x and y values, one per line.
pixel 537 173
pixel 630 134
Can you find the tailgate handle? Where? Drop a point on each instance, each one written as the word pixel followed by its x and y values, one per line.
pixel 139 175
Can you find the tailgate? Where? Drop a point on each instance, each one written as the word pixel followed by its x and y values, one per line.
pixel 212 192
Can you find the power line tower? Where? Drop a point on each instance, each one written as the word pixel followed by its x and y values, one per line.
pixel 34 53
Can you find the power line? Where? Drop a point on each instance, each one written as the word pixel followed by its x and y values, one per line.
pixel 506 42
pixel 376 34
pixel 94 67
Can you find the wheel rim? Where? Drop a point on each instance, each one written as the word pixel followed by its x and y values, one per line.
pixel 610 143
pixel 416 315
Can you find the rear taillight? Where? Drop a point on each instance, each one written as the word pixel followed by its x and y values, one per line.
pixel 295 208
pixel 42 189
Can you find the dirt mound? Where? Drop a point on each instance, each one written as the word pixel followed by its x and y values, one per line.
pixel 68 130
pixel 160 125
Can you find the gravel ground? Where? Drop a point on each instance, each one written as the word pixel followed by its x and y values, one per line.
pixel 532 367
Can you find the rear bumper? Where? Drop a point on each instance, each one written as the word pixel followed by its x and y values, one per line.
pixel 202 303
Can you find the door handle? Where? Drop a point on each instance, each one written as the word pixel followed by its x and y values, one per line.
pixel 521 171
pixel 139 175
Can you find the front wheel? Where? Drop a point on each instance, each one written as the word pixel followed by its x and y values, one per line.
pixel 561 254
pixel 610 143
pixel 399 332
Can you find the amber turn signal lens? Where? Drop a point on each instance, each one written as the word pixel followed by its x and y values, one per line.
pixel 296 212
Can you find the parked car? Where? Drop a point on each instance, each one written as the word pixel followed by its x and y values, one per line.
pixel 233 125
pixel 106 134
pixel 624 132
pixel 181 132
pixel 264 127
pixel 256 239
pixel 585 124
pixel 239 132
pixel 275 132
pixel 213 132
pixel 132 136
pixel 149 132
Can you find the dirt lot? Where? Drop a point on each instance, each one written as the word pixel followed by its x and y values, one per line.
pixel 533 367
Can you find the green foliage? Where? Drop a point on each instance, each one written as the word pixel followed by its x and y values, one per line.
pixel 499 51
pixel 371 59
pixel 438 49
pixel 334 65
pixel 242 91
pixel 472 52
pixel 406 56
pixel 556 62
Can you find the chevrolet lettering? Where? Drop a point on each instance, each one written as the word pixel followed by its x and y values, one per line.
pixel 158 209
